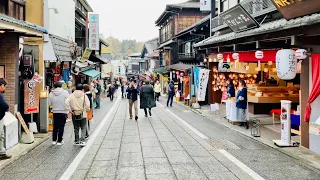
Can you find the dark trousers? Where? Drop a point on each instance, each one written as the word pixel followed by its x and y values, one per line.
pixel 98 100
pixel 145 111
pixel 170 99
pixel 79 124
pixel 111 96
pixel 88 129
pixel 58 126
pixel 157 96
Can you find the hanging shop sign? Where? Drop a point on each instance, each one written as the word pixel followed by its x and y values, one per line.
pixel 86 55
pixel 203 82
pixel 296 8
pixel 286 63
pixel 224 67
pixel 205 5
pixel 238 19
pixel 94 32
pixel 196 73
pixel 32 94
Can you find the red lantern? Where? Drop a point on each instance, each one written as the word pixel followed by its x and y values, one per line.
pixel 259 54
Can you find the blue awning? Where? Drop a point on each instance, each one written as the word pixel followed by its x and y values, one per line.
pixel 92 73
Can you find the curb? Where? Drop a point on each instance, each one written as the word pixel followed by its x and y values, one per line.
pixel 300 159
pixel 17 156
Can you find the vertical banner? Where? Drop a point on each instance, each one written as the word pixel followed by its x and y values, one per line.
pixel 286 122
pixel 196 79
pixel 31 96
pixel 94 32
pixel 203 83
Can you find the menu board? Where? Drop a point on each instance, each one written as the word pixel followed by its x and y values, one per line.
pixel 238 19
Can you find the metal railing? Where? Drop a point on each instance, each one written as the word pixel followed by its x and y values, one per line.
pixel 254 7
pixel 186 55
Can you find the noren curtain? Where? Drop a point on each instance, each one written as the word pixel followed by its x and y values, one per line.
pixel 315 85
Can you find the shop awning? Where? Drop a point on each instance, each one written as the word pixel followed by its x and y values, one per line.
pixel 269 27
pixel 98 58
pixel 161 71
pixel 92 73
pixel 63 48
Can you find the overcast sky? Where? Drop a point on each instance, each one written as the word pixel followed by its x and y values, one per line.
pixel 130 19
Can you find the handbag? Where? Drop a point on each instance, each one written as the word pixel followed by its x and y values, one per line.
pixel 89 115
pixel 80 116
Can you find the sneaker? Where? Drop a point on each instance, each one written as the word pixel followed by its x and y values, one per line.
pixel 82 143
pixel 54 142
pixel 5 156
pixel 76 143
pixel 60 143
pixel 146 115
pixel 130 118
pixel 136 118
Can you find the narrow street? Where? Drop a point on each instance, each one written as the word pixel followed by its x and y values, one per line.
pixel 175 143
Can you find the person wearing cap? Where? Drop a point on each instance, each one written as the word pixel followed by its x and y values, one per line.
pixel 57 99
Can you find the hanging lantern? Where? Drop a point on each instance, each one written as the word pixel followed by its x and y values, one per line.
pixel 257 68
pixel 215 60
pixel 220 56
pixel 301 54
pixel 274 70
pixel 270 63
pixel 177 72
pixel 259 54
pixel 181 74
pixel 205 60
pixel 265 70
pixel 286 64
pixel 235 56
pixel 210 59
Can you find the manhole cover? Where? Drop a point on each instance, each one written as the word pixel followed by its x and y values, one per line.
pixel 222 144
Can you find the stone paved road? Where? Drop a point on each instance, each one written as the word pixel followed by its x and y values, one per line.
pixel 174 143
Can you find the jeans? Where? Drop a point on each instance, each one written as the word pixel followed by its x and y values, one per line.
pixel 2 148
pixel 135 104
pixel 98 100
pixel 170 98
pixel 58 126
pixel 79 124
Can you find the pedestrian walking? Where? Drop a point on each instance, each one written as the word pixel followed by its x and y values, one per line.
pixel 147 101
pixel 171 93
pixel 86 89
pixel 4 107
pixel 122 90
pixel 157 90
pixel 133 99
pixel 125 87
pixel 111 91
pixel 57 99
pixel 78 104
pixel 98 93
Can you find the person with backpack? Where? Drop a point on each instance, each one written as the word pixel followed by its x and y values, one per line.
pixel 78 104
pixel 171 93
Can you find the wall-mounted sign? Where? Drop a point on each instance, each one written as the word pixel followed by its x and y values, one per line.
pixel 31 96
pixel 296 8
pixel 205 5
pixel 224 67
pixel 86 55
pixel 94 32
pixel 238 19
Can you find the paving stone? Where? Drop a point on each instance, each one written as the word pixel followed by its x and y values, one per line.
pixel 157 166
pixel 93 149
pixel 188 142
pixel 115 136
pixel 102 169
pixel 181 134
pixel 130 159
pixel 210 166
pixel 150 142
pixel 130 139
pixel 131 132
pixel 111 144
pixel 115 130
pixel 46 174
pixel 197 151
pixel 86 162
pixel 222 176
pixel 79 175
pixel 131 127
pixel 130 173
pixel 172 146
pixel 153 152
pixel 188 172
pixel 161 177
pixel 107 154
pixel 160 132
pixel 147 135
pixel 167 138
pixel 14 176
pixel 131 147
pixel 179 157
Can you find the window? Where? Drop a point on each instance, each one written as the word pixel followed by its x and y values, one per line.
pixel 227 4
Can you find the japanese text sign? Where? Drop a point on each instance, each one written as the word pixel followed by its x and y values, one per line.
pixel 94 32
pixel 31 96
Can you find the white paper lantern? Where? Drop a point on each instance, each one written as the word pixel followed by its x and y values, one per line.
pixel 301 54
pixel 286 62
pixel 235 56
pixel 220 56
pixel 259 54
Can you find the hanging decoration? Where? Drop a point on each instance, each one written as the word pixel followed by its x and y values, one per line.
pixel 235 56
pixel 259 55
pixel 220 56
pixel 286 64
pixel 301 54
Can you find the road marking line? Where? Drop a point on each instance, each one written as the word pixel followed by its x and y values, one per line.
pixel 186 124
pixel 245 168
pixel 75 163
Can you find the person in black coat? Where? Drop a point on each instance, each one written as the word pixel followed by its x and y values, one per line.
pixel 147 98
pixel 231 90
pixel 133 99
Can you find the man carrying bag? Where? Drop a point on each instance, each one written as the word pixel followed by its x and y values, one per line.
pixel 78 104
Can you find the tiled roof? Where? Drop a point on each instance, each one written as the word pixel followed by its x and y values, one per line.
pixel 269 27
pixel 22 23
pixel 63 48
pixel 188 4
pixel 151 45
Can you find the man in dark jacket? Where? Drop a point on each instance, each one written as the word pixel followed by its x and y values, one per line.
pixel 171 93
pixel 98 93
pixel 4 107
pixel 133 99
pixel 147 98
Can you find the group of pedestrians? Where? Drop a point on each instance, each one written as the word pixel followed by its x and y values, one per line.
pixel 79 103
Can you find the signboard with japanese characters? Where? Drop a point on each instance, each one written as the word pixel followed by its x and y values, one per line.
pixel 205 5
pixel 94 32
pixel 296 8
pixel 238 19
pixel 203 83
pixel 31 96
pixel 86 55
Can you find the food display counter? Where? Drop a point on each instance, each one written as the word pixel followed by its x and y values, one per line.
pixel 262 99
pixel 231 110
